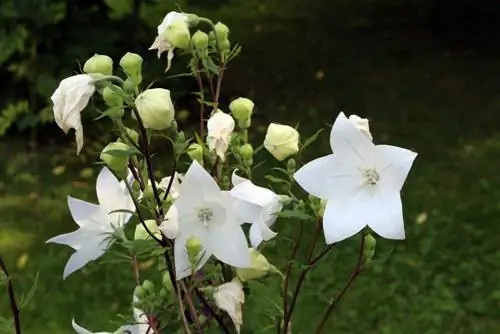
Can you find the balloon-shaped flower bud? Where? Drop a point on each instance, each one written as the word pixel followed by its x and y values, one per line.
pixel 155 108
pixel 114 101
pixel 115 155
pixel 362 124
pixel 99 64
pixel 281 141
pixel 142 234
pixel 193 247
pixel 148 287
pixel 242 109
pixel 195 152
pixel 260 267
pixel 140 292
pixel 132 135
pixel 167 282
pixel 200 40
pixel 221 31
pixel 131 63
pixel 246 151
pixel 177 34
pixel 369 250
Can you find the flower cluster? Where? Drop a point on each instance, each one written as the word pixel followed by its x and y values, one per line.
pixel 211 217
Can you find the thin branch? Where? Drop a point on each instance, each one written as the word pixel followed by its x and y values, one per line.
pixel 311 261
pixel 213 313
pixel 171 181
pixel 192 309
pixel 183 314
pixel 289 270
pixel 12 297
pixel 199 80
pixel 355 273
pixel 149 165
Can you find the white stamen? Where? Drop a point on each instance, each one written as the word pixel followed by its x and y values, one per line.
pixel 371 177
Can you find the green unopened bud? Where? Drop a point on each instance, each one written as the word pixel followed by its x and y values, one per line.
pixel 177 34
pixel 115 156
pixel 167 282
pixel 111 97
pixel 140 292
pixel 260 267
pixel 200 40
pixel 284 199
pixel 129 86
pixel 291 166
pixel 155 108
pixel 148 192
pixel 246 151
pixel 193 19
pixel 148 287
pixel 195 152
pixel 193 247
pixel 101 64
pixel 241 109
pixel 131 63
pixel 142 234
pixel 369 250
pixel 221 31
pixel 132 135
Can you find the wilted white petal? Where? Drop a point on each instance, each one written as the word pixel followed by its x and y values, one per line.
pixel 220 126
pixel 230 297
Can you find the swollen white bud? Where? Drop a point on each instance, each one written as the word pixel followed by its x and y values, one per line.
pixel 281 141
pixel 155 108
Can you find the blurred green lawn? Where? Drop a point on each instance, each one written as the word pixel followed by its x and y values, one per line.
pixel 442 279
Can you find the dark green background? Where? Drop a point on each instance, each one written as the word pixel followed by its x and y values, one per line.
pixel 424 72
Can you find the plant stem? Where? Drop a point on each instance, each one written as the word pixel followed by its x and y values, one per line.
pixel 218 87
pixel 289 270
pixel 311 261
pixel 149 165
pixel 192 309
pixel 213 313
pixel 12 297
pixel 199 80
pixel 181 309
pixel 355 273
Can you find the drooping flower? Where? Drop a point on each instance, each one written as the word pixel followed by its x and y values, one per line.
pixel 230 297
pixel 281 141
pixel 96 222
pixel 361 182
pixel 69 99
pixel 205 213
pixel 162 43
pixel 220 126
pixel 141 325
pixel 257 206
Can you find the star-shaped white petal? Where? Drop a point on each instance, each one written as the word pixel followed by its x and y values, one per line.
pixel 361 182
pixel 204 212
pixel 96 222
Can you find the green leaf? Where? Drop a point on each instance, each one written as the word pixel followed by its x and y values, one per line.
pixel 275 179
pixel 311 139
pixel 295 214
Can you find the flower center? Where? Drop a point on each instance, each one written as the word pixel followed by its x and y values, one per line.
pixel 371 176
pixel 205 215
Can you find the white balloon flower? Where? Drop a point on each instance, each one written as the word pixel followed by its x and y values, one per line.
pixel 96 222
pixel 361 182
